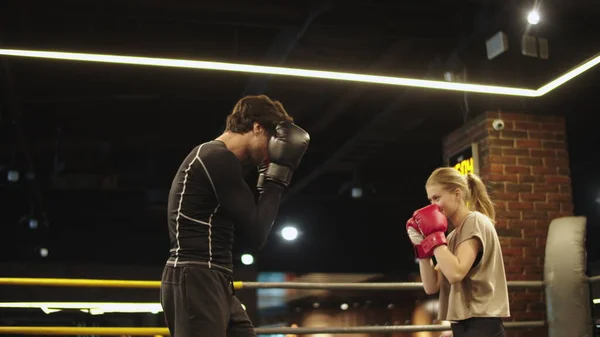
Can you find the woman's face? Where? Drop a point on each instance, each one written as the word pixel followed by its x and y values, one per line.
pixel 447 201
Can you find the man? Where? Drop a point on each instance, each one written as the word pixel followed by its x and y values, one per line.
pixel 209 198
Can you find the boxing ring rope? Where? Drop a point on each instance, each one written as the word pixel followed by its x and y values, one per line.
pixel 565 284
pixel 134 331
pixel 94 283
pixel 594 279
pixel 26 330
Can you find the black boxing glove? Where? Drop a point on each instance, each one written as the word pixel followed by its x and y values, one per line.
pixel 262 169
pixel 285 151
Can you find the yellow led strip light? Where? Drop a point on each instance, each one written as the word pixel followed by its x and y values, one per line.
pixel 283 71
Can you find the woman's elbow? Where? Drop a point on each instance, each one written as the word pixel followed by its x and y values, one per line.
pixel 431 290
pixel 456 278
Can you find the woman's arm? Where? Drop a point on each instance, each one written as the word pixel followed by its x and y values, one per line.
pixel 429 276
pixel 455 267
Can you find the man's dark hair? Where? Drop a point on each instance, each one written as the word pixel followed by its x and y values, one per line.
pixel 256 108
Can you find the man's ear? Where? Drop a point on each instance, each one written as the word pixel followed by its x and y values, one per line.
pixel 257 128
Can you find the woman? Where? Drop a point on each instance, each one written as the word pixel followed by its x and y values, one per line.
pixel 469 273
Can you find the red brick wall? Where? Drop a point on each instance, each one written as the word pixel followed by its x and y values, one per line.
pixel 526 169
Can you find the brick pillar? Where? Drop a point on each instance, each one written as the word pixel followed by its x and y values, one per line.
pixel 526 169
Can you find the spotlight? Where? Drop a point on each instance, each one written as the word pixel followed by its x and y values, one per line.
pixel 247 259
pixel 533 17
pixel 44 252
pixel 289 233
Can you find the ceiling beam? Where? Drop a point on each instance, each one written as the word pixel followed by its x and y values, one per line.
pixel 346 148
pixel 386 60
pixel 282 46
pixel 383 118
pixel 205 13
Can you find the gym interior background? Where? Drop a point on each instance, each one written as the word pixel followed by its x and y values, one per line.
pixel 89 149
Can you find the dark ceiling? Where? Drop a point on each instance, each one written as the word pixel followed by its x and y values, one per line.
pixel 104 140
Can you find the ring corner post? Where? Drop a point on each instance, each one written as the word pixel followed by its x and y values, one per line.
pixel 567 289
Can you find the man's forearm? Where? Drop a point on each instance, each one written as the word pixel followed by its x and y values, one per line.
pixel 267 210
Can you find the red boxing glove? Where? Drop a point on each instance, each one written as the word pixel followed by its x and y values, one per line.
pixel 416 237
pixel 432 224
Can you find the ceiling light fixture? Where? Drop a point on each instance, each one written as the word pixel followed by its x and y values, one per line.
pixel 282 71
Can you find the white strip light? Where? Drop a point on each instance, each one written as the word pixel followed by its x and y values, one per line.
pixel 94 308
pixel 569 75
pixel 235 67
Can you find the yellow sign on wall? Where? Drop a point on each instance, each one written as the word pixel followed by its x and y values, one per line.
pixel 465 161
pixel 465 166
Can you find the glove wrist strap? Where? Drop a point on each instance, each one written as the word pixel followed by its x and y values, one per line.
pixel 420 253
pixel 279 174
pixel 260 184
pixel 432 241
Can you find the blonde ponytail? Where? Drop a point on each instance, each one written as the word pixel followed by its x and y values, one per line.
pixel 474 192
pixel 480 200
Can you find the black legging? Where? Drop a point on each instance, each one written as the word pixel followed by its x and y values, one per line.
pixel 478 327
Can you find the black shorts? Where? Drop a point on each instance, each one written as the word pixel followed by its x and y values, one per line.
pixel 200 302
pixel 478 327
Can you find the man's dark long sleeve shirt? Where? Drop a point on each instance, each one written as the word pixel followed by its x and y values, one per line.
pixel 209 199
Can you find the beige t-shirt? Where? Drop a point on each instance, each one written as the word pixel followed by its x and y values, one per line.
pixel 483 292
